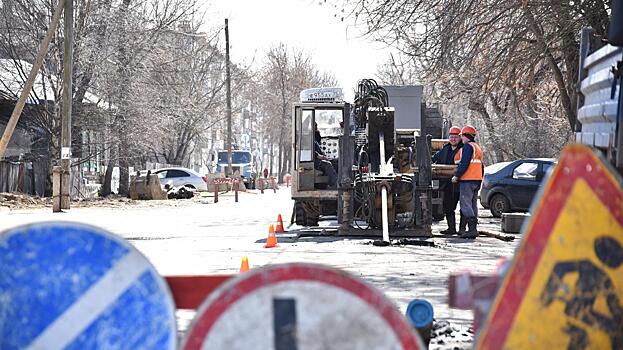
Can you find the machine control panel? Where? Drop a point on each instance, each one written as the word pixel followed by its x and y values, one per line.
pixel 329 146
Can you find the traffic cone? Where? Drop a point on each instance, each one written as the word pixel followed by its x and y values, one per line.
pixel 244 267
pixel 279 225
pixel 271 241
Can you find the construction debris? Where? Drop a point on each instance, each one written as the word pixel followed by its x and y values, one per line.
pixel 505 238
pixel 411 241
pixel 21 200
pixel 444 335
pixel 402 241
pixel 146 187
pixel 180 193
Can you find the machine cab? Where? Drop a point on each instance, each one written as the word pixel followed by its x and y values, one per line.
pixel 317 126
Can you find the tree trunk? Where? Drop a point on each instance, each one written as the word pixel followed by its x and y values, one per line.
pixel 124 59
pixel 285 162
pixel 124 171
pixel 279 160
pixel 287 159
pixel 106 186
pixel 497 155
pixel 270 160
pixel 565 98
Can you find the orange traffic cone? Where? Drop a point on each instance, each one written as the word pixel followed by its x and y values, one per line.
pixel 279 225
pixel 244 267
pixel 271 241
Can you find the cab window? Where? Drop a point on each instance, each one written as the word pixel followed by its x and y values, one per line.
pixel 306 142
pixel 176 173
pixel 526 171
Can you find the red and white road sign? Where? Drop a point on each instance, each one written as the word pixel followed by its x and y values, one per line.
pixel 299 307
pixel 224 180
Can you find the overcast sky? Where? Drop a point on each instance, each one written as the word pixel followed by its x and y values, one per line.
pixel 255 26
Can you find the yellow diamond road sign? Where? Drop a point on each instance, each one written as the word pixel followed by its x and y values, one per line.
pixel 564 289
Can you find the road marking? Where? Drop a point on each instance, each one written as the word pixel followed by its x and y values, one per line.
pixel 92 303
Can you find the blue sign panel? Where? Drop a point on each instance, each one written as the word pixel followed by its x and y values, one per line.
pixel 73 286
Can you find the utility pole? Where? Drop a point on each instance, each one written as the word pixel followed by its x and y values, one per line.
pixel 228 108
pixel 68 57
pixel 19 106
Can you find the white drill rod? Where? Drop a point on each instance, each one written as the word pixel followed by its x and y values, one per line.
pixel 384 213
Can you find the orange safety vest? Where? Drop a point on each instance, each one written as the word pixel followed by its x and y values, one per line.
pixel 474 170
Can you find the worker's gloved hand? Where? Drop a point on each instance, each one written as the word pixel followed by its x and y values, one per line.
pixel 455 179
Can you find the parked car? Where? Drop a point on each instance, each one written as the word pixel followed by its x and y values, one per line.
pixel 182 177
pixel 511 186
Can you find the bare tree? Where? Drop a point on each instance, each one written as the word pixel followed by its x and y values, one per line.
pixel 509 62
pixel 286 72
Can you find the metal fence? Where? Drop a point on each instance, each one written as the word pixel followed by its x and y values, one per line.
pixel 25 177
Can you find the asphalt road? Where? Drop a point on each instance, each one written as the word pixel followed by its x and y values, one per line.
pixel 199 237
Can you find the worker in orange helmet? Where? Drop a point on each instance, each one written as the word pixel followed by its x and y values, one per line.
pixel 468 175
pixel 447 155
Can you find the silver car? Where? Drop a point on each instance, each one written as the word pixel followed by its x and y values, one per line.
pixel 179 177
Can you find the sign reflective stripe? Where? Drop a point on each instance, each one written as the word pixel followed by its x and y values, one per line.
pixel 85 310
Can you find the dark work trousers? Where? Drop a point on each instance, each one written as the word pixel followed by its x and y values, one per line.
pixel 469 198
pixel 450 197
pixel 327 168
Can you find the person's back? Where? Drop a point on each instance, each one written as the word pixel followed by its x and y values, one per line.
pixel 469 174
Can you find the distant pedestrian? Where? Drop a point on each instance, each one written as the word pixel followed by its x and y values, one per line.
pixel 469 174
pixel 265 173
pixel 448 155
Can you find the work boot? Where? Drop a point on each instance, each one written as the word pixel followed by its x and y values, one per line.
pixel 451 219
pixel 462 224
pixel 472 231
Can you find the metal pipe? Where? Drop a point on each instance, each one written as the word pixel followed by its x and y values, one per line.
pixel 382 152
pixel 384 213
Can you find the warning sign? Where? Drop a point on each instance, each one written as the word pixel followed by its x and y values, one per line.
pixel 299 306
pixel 565 286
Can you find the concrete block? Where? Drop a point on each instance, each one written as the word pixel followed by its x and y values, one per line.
pixel 143 188
pixel 512 222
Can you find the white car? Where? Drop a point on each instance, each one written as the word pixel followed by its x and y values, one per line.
pixel 179 177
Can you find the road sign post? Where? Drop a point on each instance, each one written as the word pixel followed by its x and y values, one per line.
pixel 565 285
pixel 67 285
pixel 299 306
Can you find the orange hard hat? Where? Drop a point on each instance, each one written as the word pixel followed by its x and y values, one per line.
pixel 468 129
pixel 455 130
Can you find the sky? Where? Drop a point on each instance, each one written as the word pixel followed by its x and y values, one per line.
pixel 335 46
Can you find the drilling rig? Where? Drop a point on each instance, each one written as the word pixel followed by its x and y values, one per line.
pixel 385 179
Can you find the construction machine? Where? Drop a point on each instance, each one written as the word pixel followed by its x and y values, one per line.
pixel 382 159
pixel 600 78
